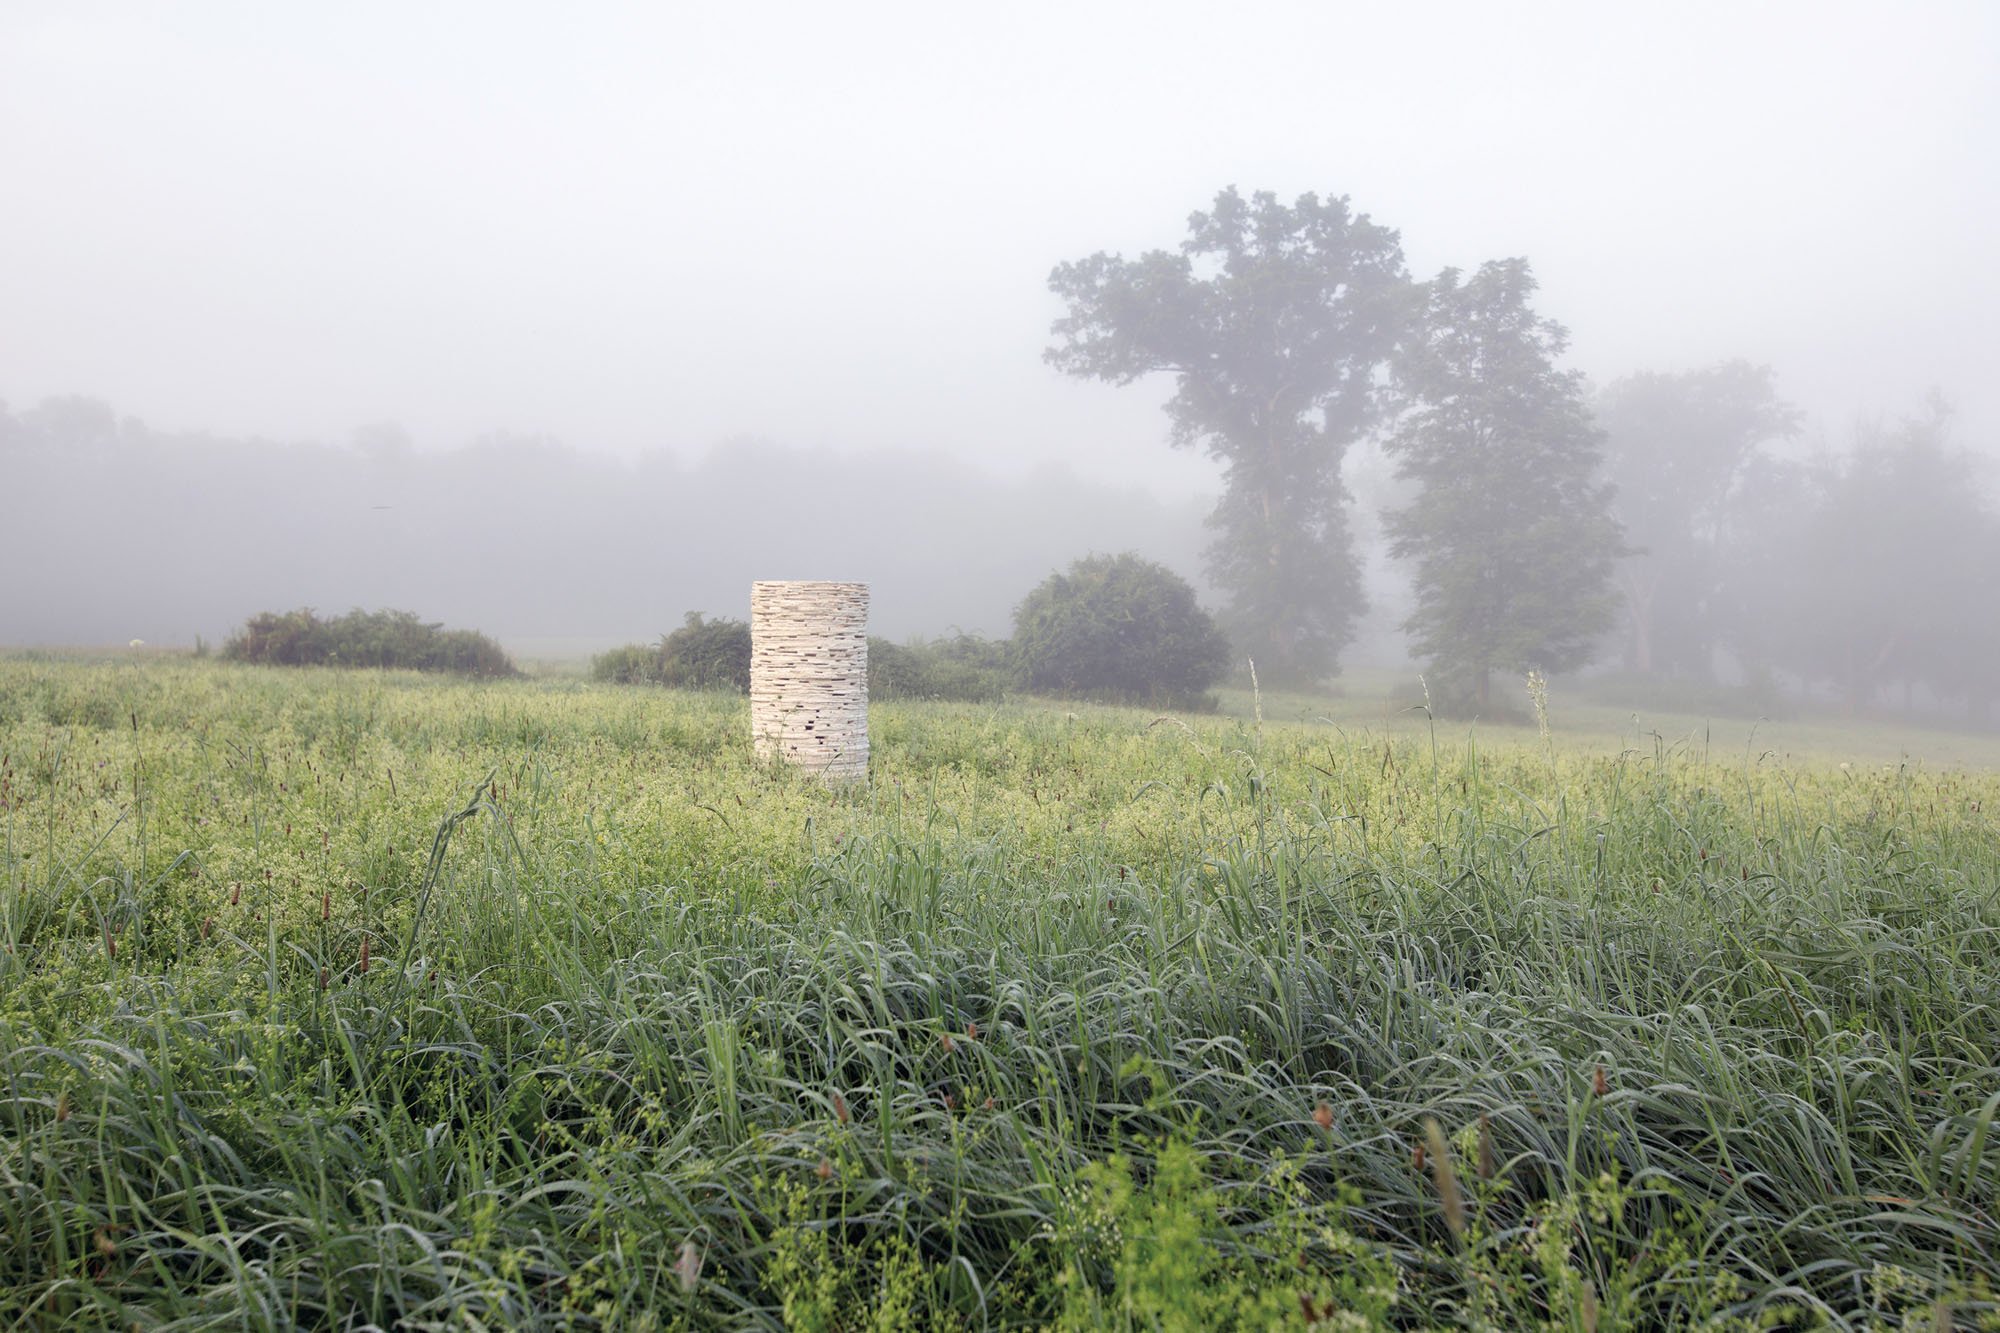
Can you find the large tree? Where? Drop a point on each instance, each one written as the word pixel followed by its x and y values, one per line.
pixel 1274 320
pixel 1510 530
pixel 1676 446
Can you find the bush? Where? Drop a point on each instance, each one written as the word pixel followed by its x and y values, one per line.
pixel 707 654
pixel 965 669
pixel 1119 628
pixel 633 664
pixel 701 655
pixel 392 639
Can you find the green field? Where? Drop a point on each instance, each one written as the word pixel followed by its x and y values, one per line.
pixel 331 1000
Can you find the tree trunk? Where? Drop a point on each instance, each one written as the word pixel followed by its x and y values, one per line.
pixel 1639 603
pixel 1282 632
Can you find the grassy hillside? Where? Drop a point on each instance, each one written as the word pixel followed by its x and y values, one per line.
pixel 336 998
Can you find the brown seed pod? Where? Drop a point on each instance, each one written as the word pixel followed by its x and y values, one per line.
pixel 1446 1179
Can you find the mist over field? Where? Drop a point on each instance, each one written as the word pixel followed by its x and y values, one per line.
pixel 562 328
pixel 543 545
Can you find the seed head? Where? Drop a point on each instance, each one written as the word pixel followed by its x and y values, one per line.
pixel 688 1267
pixel 1599 1084
pixel 1445 1178
pixel 840 1108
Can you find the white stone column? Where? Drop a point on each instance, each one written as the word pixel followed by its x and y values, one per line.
pixel 809 675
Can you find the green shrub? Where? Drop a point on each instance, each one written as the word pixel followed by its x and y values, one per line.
pixel 396 639
pixel 707 654
pixel 632 664
pixel 965 668
pixel 1119 628
pixel 702 654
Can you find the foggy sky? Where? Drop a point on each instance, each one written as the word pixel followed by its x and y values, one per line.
pixel 636 226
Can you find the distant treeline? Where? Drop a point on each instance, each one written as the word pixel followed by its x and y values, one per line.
pixel 1755 569
pixel 1530 522
pixel 1864 573
pixel 131 532
pixel 386 639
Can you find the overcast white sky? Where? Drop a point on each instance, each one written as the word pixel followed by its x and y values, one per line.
pixel 665 225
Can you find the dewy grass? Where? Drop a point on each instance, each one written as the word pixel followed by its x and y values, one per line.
pixel 1063 1013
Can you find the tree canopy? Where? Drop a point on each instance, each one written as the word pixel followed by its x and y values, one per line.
pixel 1274 321
pixel 1118 627
pixel 1510 530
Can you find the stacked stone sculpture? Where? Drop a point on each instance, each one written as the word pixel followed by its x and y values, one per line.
pixel 809 675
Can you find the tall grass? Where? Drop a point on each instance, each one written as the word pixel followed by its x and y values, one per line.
pixel 346 1000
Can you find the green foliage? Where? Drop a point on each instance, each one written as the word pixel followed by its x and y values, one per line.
pixel 702 654
pixel 387 639
pixel 1273 321
pixel 1510 532
pixel 829 1278
pixel 340 999
pixel 964 668
pixel 707 655
pixel 629 664
pixel 1119 628
pixel 1159 1253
